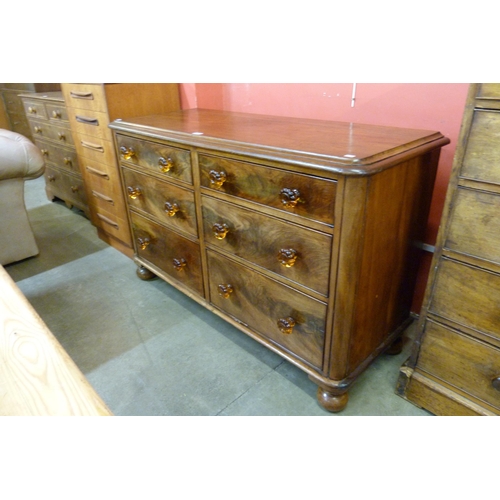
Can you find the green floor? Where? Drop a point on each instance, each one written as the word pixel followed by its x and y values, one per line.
pixel 149 350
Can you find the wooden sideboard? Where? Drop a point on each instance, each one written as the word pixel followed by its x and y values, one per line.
pixel 91 106
pixel 297 232
pixel 454 368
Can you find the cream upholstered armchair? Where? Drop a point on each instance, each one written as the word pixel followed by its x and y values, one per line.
pixel 20 160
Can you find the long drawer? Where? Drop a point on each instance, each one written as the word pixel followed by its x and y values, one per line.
pixel 65 186
pixel 57 132
pixel 61 156
pixel 294 252
pixel 279 313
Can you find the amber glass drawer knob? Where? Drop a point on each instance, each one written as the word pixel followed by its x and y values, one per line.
pixel 496 383
pixel 179 264
pixel 171 208
pixel 165 164
pixel 134 192
pixel 143 242
pixel 289 197
pixel 225 290
pixel 220 230
pixel 126 153
pixel 32 110
pixel 286 325
pixel 217 178
pixel 62 136
pixel 287 257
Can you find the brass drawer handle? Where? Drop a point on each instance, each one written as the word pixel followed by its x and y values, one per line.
pixel 68 161
pixel 290 197
pixel 287 257
pixel 45 152
pixel 56 114
pixel 225 290
pixel 88 121
pixel 220 230
pixel 134 192
pixel 90 145
pixel 179 264
pixel 286 325
pixel 74 189
pixel 165 164
pixel 81 95
pixel 62 136
pixel 496 383
pixel 143 242
pixel 127 153
pixel 171 208
pixel 38 130
pixel 32 110
pixel 102 197
pixel 217 178
pixel 97 172
pixel 51 178
pixel 108 221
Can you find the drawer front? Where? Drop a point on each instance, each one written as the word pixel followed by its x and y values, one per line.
pixel 468 296
pixel 56 112
pixel 160 159
pixel 65 186
pixel 461 361
pixel 489 91
pixel 95 149
pixel 84 96
pixel 475 225
pixel 112 224
pixel 93 124
pixel 299 254
pixel 179 257
pixel 298 194
pixel 172 205
pixel 57 155
pixel 34 109
pixel 48 130
pixel 261 304
pixel 482 155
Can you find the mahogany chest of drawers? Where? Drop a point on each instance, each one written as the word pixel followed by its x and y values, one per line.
pixel 454 368
pixel 49 126
pixel 297 232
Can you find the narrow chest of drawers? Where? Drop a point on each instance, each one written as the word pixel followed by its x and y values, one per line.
pixel 48 121
pixel 297 232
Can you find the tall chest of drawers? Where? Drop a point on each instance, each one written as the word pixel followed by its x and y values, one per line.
pixel 49 126
pixel 91 106
pixel 297 232
pixel 454 368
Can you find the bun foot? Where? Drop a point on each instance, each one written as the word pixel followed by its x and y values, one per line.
pixel 330 401
pixel 396 347
pixel 144 273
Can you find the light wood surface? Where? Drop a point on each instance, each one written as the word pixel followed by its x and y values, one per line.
pixel 37 376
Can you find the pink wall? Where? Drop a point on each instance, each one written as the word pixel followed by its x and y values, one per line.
pixel 431 106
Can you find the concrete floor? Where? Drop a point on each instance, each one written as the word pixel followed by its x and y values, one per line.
pixel 149 350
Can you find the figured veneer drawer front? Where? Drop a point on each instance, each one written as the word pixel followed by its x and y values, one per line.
pixel 84 96
pixel 111 223
pixel 95 148
pixel 66 186
pixel 34 109
pixel 475 224
pixel 61 156
pixel 179 257
pixel 299 254
pixel 469 365
pixel 482 154
pixel 161 159
pixel 93 124
pixel 299 194
pixel 57 133
pixel 468 296
pixel 174 206
pixel 291 319
pixel 56 112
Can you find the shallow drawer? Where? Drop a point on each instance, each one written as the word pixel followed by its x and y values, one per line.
pixel 468 296
pixel 269 308
pixel 178 257
pixel 56 112
pixel 172 205
pixel 467 364
pixel 299 254
pixel 112 224
pixel 34 109
pixel 92 124
pixel 84 96
pixel 63 157
pixel 157 158
pixel 95 149
pixel 475 224
pixel 482 156
pixel 295 193
pixel 65 186
pixel 48 130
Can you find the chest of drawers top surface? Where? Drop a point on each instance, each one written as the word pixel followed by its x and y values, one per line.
pixel 347 148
